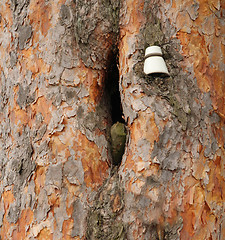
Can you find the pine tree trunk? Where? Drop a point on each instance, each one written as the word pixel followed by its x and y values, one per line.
pixel 90 146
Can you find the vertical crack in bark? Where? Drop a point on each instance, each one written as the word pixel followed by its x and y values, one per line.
pixel 104 219
pixel 118 130
pixel 112 89
pixel 96 30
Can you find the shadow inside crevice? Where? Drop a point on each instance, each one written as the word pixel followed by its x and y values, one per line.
pixel 112 89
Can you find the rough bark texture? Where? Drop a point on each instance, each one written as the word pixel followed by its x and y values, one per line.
pixel 56 174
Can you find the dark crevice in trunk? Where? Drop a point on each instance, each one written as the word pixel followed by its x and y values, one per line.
pixel 118 130
pixel 112 89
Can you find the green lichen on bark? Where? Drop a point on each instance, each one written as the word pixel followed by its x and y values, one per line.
pixel 153 34
pixel 178 111
pixel 105 217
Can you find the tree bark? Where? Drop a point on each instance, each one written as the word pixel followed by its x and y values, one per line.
pixel 70 70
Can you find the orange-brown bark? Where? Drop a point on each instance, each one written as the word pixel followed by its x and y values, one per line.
pixel 54 120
